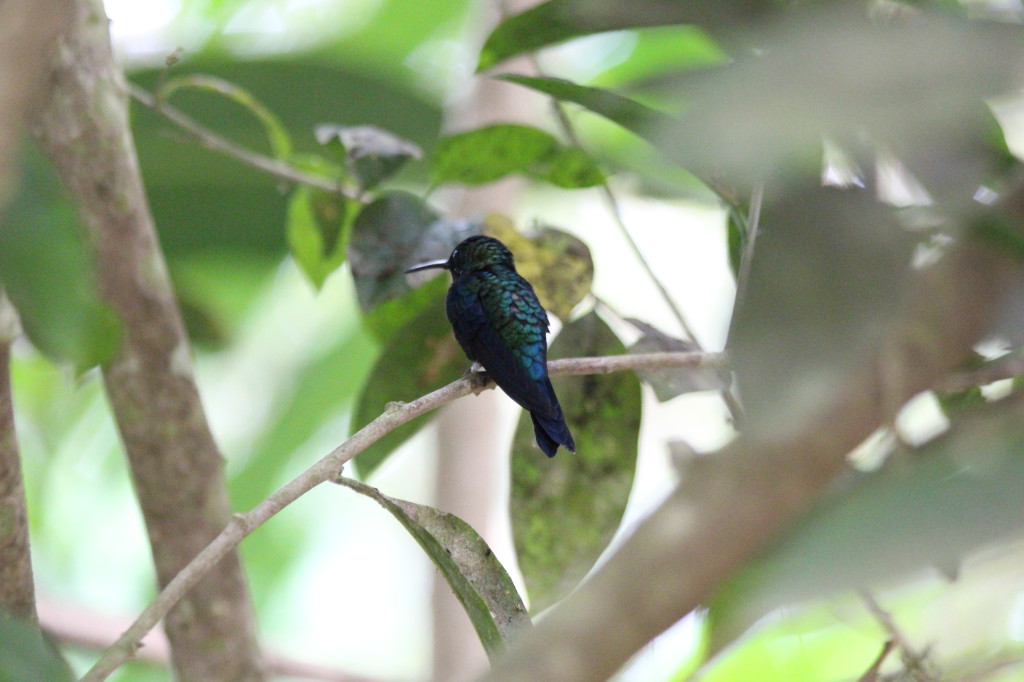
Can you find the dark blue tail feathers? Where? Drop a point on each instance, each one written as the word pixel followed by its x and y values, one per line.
pixel 552 432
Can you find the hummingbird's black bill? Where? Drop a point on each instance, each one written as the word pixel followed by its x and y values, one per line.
pixel 430 264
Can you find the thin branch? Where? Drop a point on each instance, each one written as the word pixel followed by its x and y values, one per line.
pixel 330 467
pixel 616 210
pixel 914 660
pixel 753 225
pixel 731 403
pixel 1010 367
pixel 215 142
pixel 871 674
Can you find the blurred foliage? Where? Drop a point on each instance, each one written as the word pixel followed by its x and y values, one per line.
pixel 929 507
pixel 26 654
pixel 46 270
pixel 826 282
pixel 706 90
pixel 487 154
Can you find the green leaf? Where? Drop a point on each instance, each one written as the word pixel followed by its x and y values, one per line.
pixel 316 227
pixel 388 318
pixel 476 577
pixel 556 263
pixel 385 239
pixel 407 297
pixel 671 382
pixel 490 153
pixel 25 654
pixel 493 152
pixel 277 134
pixel 47 273
pixel 556 21
pixel 647 123
pixel 663 50
pixel 835 642
pixel 204 200
pixel 420 357
pixel 566 509
pixel 371 154
pixel 568 168
pixel 931 507
pixel 628 113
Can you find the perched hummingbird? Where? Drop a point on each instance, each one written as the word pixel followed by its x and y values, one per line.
pixel 500 324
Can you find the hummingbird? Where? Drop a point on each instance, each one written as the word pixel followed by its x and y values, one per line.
pixel 501 325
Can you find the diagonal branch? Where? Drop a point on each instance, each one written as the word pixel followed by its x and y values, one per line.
pixel 729 505
pixel 330 467
pixel 215 142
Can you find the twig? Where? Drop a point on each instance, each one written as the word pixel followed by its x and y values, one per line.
pixel 871 674
pixel 569 131
pixel 618 363
pixel 1010 367
pixel 211 140
pixel 753 223
pixel 915 661
pixel 731 403
pixel 328 468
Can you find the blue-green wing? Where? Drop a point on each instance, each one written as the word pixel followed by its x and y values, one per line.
pixel 501 324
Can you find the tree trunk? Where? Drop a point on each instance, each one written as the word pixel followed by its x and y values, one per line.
pixel 17 589
pixel 176 466
pixel 28 33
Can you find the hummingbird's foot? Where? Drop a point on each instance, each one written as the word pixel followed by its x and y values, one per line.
pixel 478 378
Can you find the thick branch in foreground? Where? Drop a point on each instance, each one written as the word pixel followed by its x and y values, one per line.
pixel 329 468
pixel 17 588
pixel 176 467
pixel 730 504
pixel 28 34
pixel 29 30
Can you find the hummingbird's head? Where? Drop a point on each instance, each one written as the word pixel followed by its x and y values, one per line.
pixel 477 253
pixel 474 253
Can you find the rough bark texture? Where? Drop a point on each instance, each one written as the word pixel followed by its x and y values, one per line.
pixel 28 34
pixel 17 589
pixel 730 505
pixel 176 467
